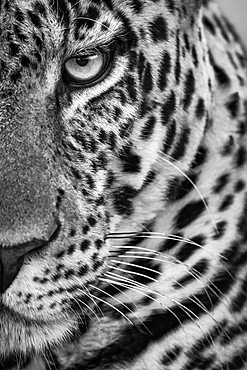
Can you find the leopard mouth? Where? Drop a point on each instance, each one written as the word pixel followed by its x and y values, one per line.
pixel 9 314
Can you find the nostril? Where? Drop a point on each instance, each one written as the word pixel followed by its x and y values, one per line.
pixel 11 258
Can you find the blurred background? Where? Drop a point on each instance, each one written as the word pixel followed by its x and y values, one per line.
pixel 236 10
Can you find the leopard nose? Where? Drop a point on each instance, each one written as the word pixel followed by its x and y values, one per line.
pixel 11 258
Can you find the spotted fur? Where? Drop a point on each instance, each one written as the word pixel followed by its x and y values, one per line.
pixel 123 201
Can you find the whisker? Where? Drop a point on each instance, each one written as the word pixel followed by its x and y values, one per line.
pixel 143 287
pixel 193 298
pixel 175 281
pixel 190 313
pixel 131 300
pixel 107 303
pixel 176 238
pixel 94 21
pixel 187 311
pixel 121 235
pixel 47 361
pixel 168 259
pixel 90 309
pixel 95 303
pixel 195 187
pixel 185 267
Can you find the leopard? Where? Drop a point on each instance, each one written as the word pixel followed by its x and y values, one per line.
pixel 123 173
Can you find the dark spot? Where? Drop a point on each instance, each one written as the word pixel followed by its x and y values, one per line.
pixel 220 230
pixel 171 356
pixel 200 108
pixel 170 136
pixel 181 146
pixel 241 59
pixel 197 270
pixel 103 136
pixel 85 229
pixel 238 302
pixel 99 243
pixel 170 5
pixel 233 104
pixel 240 157
pixel 88 19
pixel 242 129
pixel 189 89
pixel 242 224
pixel 168 108
pixel 148 128
pixel 221 183
pixel 195 57
pixel 123 199
pixel 186 42
pixel 178 64
pixel 131 162
pixel 35 19
pixel 141 65
pixel 189 213
pixel 188 249
pixel 186 186
pixel 85 244
pixel 83 270
pixel 15 76
pixel 170 243
pixel 60 254
pixel 200 158
pixel 68 273
pixel 226 203
pixel 19 16
pixel 159 29
pixel 149 179
pixel 39 8
pixel 19 33
pixel 112 140
pixel 71 249
pixel 164 70
pixel 91 221
pixel 76 173
pixel 131 88
pixel 14 49
pixel 232 60
pixel 209 25
pixel 228 147
pixel 137 6
pixel 221 75
pixel 147 79
pixel 239 186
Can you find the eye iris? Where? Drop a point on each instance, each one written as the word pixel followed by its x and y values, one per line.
pixel 86 70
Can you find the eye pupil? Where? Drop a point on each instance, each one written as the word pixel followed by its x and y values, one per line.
pixel 82 62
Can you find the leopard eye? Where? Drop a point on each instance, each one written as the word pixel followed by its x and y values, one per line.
pixel 87 70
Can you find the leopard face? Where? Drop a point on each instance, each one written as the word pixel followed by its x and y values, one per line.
pixel 95 98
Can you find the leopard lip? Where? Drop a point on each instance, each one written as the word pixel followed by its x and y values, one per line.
pixel 12 314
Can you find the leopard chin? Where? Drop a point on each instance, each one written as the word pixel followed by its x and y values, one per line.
pixel 23 338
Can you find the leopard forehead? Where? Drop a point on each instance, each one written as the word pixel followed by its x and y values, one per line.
pixel 32 26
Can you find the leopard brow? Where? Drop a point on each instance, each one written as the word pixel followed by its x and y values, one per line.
pixel 120 38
